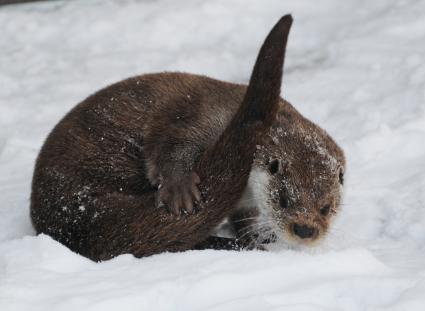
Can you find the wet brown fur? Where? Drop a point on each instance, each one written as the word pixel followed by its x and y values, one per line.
pixel 94 185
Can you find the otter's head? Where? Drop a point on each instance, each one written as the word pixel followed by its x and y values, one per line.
pixel 301 172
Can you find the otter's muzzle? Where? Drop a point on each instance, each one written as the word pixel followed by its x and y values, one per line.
pixel 304 231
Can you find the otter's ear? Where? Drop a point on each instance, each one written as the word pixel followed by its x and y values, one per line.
pixel 262 96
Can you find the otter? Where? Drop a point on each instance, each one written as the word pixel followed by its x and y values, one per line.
pixel 157 162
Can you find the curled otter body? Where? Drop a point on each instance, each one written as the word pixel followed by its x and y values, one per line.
pixel 115 171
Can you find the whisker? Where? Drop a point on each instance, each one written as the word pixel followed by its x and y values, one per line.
pixel 256 227
pixel 245 219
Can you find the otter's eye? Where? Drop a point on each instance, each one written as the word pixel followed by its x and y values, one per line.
pixel 341 176
pixel 283 201
pixel 324 211
pixel 274 166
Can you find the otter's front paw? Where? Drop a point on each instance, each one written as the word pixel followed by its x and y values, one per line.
pixel 179 193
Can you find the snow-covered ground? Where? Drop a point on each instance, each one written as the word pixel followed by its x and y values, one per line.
pixel 355 67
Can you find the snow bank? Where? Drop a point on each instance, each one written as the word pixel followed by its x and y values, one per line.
pixel 357 68
pixel 39 272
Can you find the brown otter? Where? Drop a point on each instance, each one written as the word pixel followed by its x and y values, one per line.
pixel 182 140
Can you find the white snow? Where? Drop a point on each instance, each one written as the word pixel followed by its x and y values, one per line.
pixel 357 68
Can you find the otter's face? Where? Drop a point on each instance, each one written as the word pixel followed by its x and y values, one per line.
pixel 303 174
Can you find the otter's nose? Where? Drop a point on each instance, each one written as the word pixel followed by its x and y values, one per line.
pixel 303 231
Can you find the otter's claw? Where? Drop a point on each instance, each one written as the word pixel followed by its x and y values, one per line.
pixel 179 193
